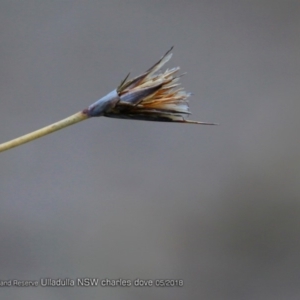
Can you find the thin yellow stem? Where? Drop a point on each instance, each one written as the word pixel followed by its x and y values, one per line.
pixel 78 117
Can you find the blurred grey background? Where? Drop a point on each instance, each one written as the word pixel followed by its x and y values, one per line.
pixel 218 207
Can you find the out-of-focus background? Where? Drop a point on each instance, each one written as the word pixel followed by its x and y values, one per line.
pixel 218 207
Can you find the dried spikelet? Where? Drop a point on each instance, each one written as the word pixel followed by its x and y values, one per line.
pixel 151 96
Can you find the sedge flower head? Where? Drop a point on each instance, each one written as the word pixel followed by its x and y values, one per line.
pixel 151 96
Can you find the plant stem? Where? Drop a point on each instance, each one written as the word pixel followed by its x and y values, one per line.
pixel 78 117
